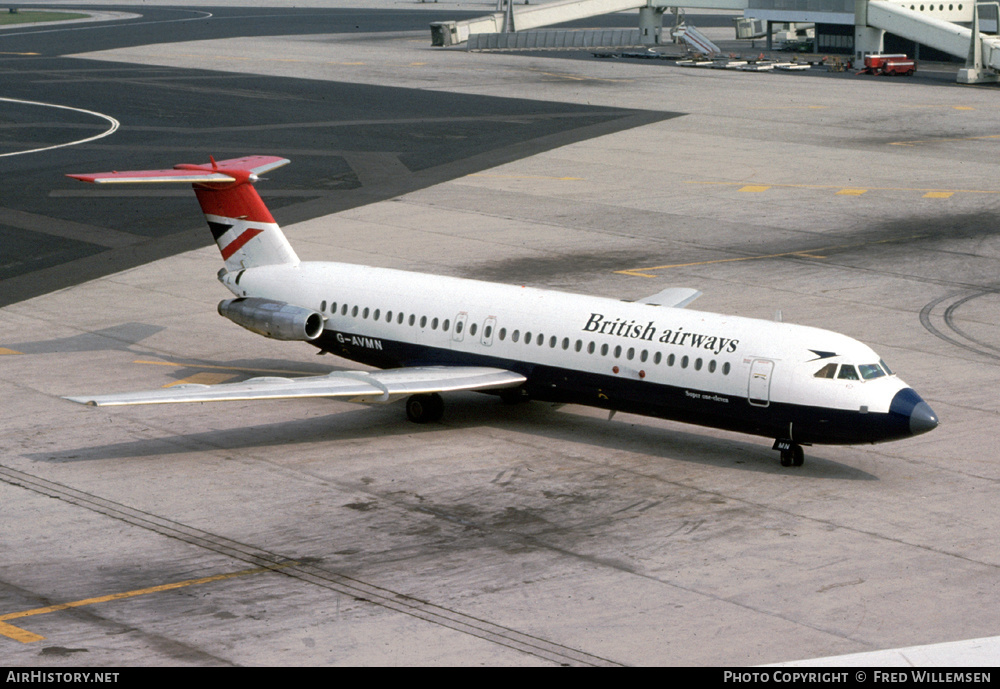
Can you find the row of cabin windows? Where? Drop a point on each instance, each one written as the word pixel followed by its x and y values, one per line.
pixel 400 317
pixel 605 349
pixel 528 338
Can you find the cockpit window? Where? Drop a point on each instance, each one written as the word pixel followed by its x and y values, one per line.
pixel 848 372
pixel 870 371
pixel 827 371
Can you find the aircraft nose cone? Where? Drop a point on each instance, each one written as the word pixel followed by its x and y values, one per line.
pixel 922 419
pixel 910 409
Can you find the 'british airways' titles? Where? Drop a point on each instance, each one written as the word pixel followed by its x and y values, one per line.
pixel 649 332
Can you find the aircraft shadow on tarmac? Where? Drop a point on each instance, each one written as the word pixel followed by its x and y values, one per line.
pixel 119 337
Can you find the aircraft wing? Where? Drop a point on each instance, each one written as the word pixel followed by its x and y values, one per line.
pixel 678 297
pixel 358 386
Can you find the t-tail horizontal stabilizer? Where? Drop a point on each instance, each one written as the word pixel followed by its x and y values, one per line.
pixel 241 224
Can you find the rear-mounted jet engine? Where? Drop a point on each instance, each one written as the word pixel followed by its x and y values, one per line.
pixel 274 319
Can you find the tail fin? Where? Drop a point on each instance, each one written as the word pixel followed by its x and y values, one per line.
pixel 240 222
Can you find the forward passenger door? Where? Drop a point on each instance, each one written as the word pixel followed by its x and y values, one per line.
pixel 759 386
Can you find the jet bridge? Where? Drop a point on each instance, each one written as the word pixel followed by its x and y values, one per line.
pixel 982 52
pixel 932 24
pixel 525 17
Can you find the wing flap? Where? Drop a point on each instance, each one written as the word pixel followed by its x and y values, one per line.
pixel 358 386
pixel 676 297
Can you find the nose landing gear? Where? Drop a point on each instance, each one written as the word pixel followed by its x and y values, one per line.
pixel 791 453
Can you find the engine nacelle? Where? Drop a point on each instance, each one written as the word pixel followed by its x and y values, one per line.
pixel 274 319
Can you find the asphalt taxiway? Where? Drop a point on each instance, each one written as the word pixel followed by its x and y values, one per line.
pixel 300 533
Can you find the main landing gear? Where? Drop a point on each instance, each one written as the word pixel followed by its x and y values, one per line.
pixel 424 408
pixel 791 453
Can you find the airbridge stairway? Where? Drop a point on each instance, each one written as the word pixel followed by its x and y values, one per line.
pixel 982 52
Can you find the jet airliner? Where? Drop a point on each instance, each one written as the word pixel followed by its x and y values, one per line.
pixel 432 334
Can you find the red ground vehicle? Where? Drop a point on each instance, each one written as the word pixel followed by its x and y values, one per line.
pixel 895 64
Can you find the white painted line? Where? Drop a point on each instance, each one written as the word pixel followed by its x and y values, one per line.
pixel 114 126
pixel 982 653
pixel 57 26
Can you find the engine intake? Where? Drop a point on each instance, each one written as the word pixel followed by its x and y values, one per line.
pixel 274 319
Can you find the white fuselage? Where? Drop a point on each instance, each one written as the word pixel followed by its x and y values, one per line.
pixel 726 371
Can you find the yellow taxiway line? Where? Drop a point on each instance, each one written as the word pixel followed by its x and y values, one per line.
pixel 220 368
pixel 928 193
pixel 803 253
pixel 24 636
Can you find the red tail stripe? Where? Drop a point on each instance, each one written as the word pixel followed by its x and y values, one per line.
pixel 240 201
pixel 237 244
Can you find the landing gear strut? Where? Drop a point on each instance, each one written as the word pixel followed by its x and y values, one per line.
pixel 791 453
pixel 424 408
